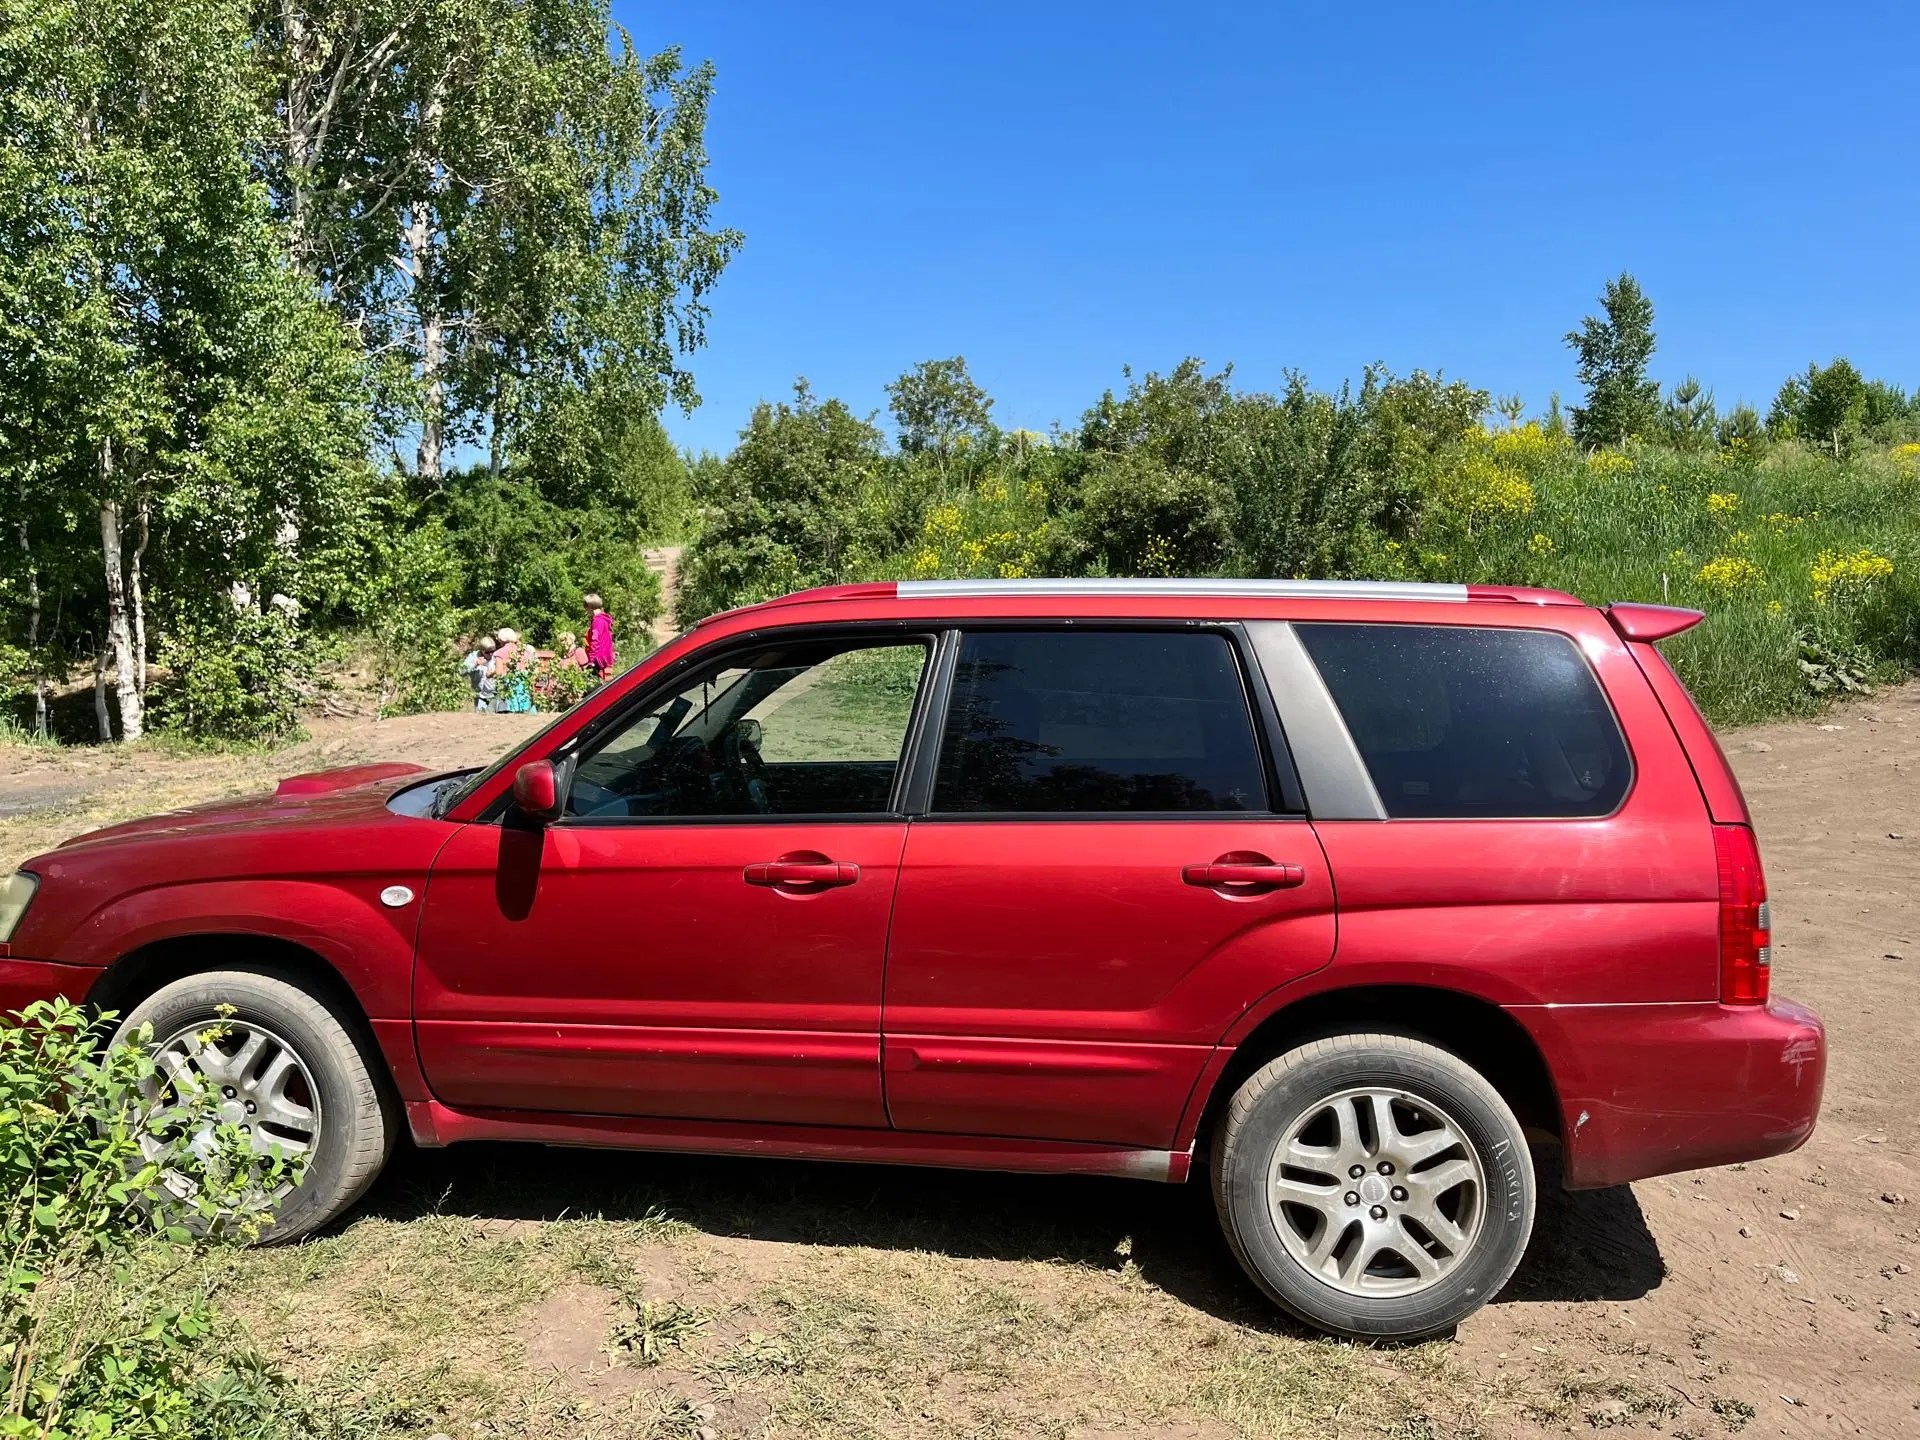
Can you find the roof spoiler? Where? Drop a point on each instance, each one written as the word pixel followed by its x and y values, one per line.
pixel 1651 622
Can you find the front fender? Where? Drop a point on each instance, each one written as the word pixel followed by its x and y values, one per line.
pixel 369 943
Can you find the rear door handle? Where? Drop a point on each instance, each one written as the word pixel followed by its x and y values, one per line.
pixel 1264 873
pixel 802 872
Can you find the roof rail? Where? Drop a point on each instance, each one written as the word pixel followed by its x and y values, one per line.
pixel 1236 589
pixel 1193 588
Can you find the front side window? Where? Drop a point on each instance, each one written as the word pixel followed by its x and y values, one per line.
pixel 1459 723
pixel 809 729
pixel 1076 721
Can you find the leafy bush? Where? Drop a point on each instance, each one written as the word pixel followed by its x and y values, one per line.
pixel 231 671
pixel 111 1178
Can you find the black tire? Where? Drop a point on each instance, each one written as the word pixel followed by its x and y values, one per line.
pixel 356 1123
pixel 1316 1080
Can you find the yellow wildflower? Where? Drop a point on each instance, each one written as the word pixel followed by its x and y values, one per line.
pixel 1541 544
pixel 1836 573
pixel 927 562
pixel 1723 502
pixel 1726 573
pixel 1482 488
pixel 1608 462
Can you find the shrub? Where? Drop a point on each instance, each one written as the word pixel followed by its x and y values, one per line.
pixel 107 1176
pixel 231 671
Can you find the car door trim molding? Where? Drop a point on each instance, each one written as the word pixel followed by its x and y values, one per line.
pixel 1332 772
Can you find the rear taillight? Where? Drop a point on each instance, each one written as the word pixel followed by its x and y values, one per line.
pixel 1746 933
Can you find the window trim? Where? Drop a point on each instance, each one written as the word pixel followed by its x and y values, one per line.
pixel 1387 817
pixel 1278 773
pixel 566 756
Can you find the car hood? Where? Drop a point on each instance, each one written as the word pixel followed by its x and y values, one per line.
pixel 350 793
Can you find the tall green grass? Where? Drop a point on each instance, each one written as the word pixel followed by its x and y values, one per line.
pixel 1646 525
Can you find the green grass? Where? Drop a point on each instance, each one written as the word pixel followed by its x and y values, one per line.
pixel 1644 529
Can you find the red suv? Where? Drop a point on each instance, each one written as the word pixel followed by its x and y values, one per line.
pixel 1356 891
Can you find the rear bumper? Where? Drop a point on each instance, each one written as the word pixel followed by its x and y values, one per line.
pixel 1653 1089
pixel 24 981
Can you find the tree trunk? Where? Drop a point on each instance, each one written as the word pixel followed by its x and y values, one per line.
pixel 100 695
pixel 433 347
pixel 33 621
pixel 494 442
pixel 118 635
pixel 139 597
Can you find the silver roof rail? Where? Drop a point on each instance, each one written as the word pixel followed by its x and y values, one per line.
pixel 1225 589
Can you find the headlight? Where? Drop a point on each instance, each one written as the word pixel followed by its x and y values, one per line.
pixel 15 891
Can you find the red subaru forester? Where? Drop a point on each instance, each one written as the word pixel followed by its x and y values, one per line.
pixel 1357 891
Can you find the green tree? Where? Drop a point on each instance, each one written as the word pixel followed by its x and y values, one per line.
pixel 1741 429
pixel 498 197
pixel 1134 516
pixel 937 409
pixel 1825 406
pixel 1612 352
pixel 1688 417
pixel 795 505
pixel 188 395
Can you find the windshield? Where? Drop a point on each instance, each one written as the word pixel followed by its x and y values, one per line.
pixel 451 795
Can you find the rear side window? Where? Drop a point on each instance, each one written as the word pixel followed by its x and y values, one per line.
pixel 1058 721
pixel 1457 723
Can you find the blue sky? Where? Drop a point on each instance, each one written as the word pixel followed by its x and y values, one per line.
pixel 1056 191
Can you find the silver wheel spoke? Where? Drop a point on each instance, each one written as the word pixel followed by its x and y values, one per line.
pixel 1441 1178
pixel 1349 1159
pixel 259 1083
pixel 1415 1254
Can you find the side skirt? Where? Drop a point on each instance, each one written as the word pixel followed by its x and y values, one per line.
pixel 434 1125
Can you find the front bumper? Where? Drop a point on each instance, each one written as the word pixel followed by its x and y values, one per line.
pixel 1653 1089
pixel 24 981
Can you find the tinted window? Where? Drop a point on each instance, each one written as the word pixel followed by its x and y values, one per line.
pixel 1048 721
pixel 1463 723
pixel 809 730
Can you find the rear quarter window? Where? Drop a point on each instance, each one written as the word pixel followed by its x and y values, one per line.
pixel 1462 723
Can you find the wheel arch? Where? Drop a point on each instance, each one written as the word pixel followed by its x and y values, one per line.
pixel 151 967
pixel 1476 1030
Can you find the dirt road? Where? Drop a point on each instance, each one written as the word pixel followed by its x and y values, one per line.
pixel 1775 1298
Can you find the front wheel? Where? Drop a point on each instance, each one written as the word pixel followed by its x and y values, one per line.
pixel 1374 1186
pixel 288 1073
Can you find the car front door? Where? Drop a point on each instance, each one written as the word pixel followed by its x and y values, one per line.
pixel 1111 865
pixel 702 933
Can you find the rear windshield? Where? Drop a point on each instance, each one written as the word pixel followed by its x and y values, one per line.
pixel 1459 723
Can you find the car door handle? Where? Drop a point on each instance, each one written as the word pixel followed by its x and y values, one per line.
pixel 802 872
pixel 1264 873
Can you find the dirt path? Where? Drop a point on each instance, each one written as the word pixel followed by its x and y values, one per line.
pixel 1776 1298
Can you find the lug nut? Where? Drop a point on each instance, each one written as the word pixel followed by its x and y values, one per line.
pixel 1379 1212
pixel 1386 1167
pixel 1399 1194
pixel 228 1091
pixel 1356 1172
pixel 1353 1197
pixel 251 1107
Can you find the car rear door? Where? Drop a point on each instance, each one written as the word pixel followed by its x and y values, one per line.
pixel 1109 863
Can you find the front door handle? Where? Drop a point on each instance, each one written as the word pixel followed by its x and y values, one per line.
pixel 1266 874
pixel 801 873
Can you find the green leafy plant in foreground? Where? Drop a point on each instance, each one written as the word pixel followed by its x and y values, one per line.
pixel 113 1177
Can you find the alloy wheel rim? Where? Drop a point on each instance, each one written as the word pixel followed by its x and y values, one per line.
pixel 1376 1191
pixel 265 1088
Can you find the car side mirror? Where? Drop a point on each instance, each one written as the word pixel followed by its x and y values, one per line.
pixel 536 790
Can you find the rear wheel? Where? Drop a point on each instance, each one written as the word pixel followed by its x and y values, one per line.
pixel 288 1072
pixel 1373 1185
